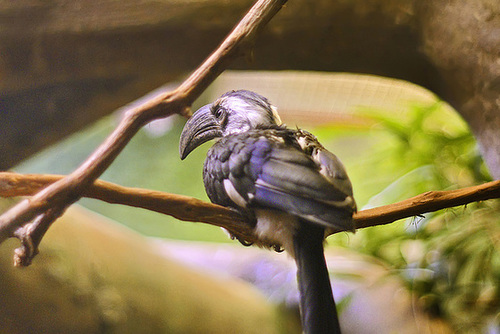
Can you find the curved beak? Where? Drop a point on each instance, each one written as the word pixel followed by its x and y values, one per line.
pixel 200 128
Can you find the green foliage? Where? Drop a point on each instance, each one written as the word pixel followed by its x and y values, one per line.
pixel 449 259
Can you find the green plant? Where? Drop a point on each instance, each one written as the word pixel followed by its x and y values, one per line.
pixel 449 259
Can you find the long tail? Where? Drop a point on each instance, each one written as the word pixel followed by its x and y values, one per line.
pixel 317 306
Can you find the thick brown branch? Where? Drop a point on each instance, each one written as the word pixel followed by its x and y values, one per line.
pixel 69 189
pixel 181 207
pixel 191 209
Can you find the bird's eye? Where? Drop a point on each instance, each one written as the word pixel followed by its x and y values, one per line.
pixel 218 111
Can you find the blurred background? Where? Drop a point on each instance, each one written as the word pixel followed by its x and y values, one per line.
pixel 104 267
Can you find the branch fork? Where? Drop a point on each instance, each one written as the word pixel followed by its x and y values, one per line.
pixel 31 235
pixel 30 219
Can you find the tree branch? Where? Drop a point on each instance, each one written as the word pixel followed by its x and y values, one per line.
pixel 190 209
pixel 67 190
pixel 427 202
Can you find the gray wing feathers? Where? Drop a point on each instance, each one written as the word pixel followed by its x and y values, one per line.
pixel 315 187
pixel 300 180
pixel 267 172
pixel 334 170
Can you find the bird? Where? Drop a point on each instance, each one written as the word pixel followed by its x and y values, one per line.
pixel 292 191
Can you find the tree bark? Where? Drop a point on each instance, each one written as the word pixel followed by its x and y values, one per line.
pixel 462 41
pixel 66 63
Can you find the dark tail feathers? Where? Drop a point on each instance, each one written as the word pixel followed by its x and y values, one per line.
pixel 317 306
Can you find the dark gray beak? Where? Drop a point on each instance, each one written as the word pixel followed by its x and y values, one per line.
pixel 200 128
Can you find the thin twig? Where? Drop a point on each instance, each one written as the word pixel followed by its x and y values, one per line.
pixel 191 209
pixel 59 195
pixel 30 236
pixel 427 202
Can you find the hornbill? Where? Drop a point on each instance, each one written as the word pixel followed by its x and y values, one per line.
pixel 291 189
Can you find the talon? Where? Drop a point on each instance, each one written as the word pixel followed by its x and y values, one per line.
pixel 244 242
pixel 278 248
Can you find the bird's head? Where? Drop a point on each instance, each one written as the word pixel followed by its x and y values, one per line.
pixel 234 112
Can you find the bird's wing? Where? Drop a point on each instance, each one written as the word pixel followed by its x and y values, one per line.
pixel 265 172
pixel 330 166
